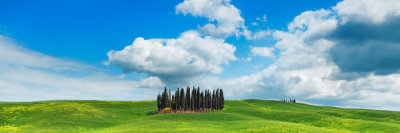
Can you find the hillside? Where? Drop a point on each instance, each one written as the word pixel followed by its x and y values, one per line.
pixel 238 116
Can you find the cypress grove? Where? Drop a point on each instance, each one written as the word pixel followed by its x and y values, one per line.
pixel 194 100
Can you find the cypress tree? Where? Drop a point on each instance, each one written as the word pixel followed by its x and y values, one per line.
pixel 192 103
pixel 198 98
pixel 182 99
pixel 209 100
pixel 159 102
pixel 217 100
pixel 174 100
pixel 202 101
pixel 169 99
pixel 195 99
pixel 222 102
pixel 173 103
pixel 187 99
pixel 213 100
pixel 206 99
pixel 177 99
pixel 164 99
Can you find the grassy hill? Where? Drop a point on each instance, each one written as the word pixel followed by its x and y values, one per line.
pixel 238 116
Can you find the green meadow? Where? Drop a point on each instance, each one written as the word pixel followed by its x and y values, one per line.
pixel 237 116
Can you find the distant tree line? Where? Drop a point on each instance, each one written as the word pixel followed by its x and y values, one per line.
pixel 288 100
pixel 191 100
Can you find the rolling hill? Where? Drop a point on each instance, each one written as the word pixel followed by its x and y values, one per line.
pixel 238 116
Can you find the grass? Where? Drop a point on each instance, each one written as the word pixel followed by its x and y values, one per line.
pixel 238 116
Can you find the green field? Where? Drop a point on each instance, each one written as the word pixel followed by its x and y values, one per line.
pixel 238 116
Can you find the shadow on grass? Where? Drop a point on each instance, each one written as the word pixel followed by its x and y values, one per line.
pixel 151 113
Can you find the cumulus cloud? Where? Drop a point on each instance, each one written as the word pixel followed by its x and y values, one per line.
pixel 321 45
pixel 225 19
pixel 367 47
pixel 263 52
pixel 174 59
pixel 192 54
pixel 313 24
pixel 28 75
pixel 367 11
pixel 226 16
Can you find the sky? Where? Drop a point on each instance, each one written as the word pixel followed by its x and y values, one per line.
pixel 324 52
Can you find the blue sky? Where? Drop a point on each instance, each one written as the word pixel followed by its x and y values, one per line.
pixel 311 50
pixel 86 30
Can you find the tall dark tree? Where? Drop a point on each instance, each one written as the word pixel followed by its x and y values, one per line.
pixel 211 103
pixel 173 105
pixel 177 99
pixel 187 99
pixel 206 99
pixel 217 100
pixel 221 99
pixel 159 102
pixel 209 100
pixel 213 100
pixel 164 99
pixel 198 98
pixel 192 99
pixel 202 101
pixel 169 99
pixel 182 95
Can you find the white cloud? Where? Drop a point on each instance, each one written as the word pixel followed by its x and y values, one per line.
pixel 367 11
pixel 368 39
pixel 263 19
pixel 194 53
pixel 304 68
pixel 261 34
pixel 14 54
pixel 227 17
pixel 247 59
pixel 187 56
pixel 28 75
pixel 313 23
pixel 305 60
pixel 263 52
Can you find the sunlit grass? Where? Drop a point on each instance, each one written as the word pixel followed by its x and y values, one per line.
pixel 238 116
